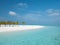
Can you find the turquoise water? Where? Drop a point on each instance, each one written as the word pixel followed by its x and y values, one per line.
pixel 50 35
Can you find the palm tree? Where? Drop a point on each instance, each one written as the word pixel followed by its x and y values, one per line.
pixel 23 23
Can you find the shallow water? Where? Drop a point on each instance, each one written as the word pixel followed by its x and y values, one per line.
pixel 50 35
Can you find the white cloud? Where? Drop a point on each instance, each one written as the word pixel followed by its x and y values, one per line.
pixel 52 12
pixel 55 14
pixel 49 10
pixel 23 5
pixel 12 13
pixel 31 17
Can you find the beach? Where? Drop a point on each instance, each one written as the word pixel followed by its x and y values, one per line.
pixel 8 28
pixel 48 35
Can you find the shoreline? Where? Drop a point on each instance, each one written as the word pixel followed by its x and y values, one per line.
pixel 8 28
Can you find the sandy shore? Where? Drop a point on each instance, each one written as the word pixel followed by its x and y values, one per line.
pixel 9 28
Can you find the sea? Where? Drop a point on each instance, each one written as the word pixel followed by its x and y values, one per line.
pixel 49 35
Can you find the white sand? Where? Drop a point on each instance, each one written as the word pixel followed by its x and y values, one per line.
pixel 8 28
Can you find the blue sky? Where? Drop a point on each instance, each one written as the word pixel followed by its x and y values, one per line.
pixel 39 12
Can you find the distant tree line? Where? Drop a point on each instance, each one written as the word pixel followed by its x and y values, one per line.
pixel 9 23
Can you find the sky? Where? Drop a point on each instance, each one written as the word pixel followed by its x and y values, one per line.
pixel 33 12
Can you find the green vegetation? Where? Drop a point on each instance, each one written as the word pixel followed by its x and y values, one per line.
pixel 23 23
pixel 8 22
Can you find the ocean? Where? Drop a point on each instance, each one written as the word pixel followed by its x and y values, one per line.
pixel 49 35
